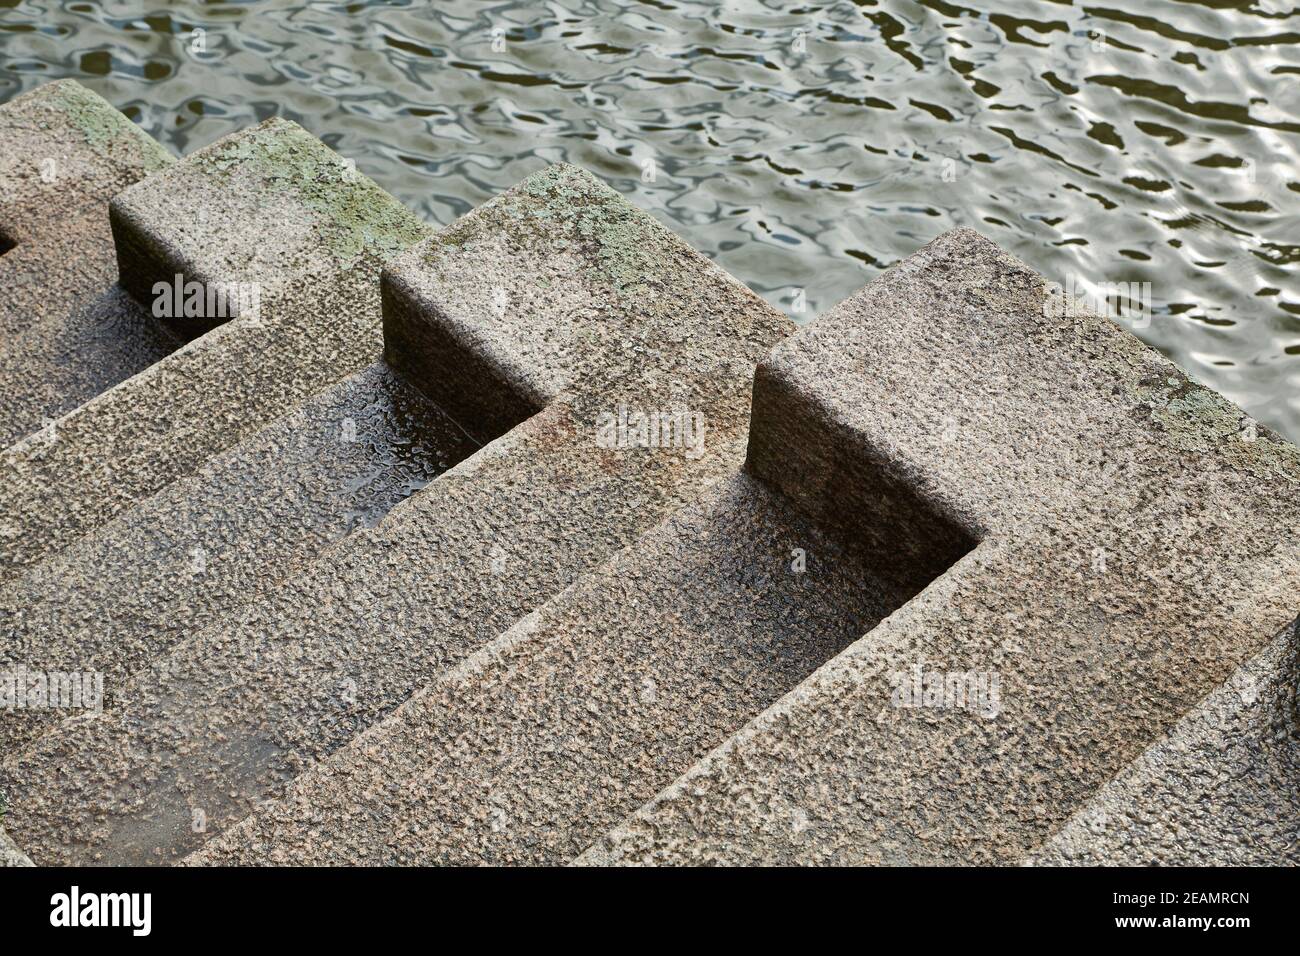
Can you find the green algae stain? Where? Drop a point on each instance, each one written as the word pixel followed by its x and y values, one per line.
pixel 102 126
pixel 354 216
pixel 1188 416
pixel 564 212
pixel 629 250
pixel 1195 419
pixel 359 217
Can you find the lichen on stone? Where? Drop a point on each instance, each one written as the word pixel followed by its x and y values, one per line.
pixel 1196 419
pixel 354 216
pixel 102 126
pixel 1189 416
pixel 562 207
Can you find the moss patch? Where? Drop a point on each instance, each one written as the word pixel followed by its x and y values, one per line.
pixel 564 207
pixel 102 126
pixel 354 216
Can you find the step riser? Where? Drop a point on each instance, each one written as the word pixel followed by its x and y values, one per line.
pixel 829 474
pixel 144 262
pixel 468 385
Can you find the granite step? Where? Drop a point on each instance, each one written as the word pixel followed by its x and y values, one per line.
pixel 272 208
pixel 541 539
pixel 531 321
pixel 1134 550
pixel 66 331
pixel 535 746
pixel 194 553
pixel 66 153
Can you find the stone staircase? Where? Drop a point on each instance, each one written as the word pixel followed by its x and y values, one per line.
pixel 380 570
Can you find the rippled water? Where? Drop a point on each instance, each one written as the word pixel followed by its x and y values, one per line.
pixel 801 148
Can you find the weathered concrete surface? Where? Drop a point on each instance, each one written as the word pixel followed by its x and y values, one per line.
pixel 225 719
pixel 272 206
pixel 66 331
pixel 1061 436
pixel 1223 789
pixel 121 597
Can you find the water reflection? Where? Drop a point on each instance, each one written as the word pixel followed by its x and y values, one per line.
pixel 808 147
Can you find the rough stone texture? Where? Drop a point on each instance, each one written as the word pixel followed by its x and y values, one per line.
pixel 1060 436
pixel 560 291
pixel 270 205
pixel 66 331
pixel 538 743
pixel 1223 789
pixel 121 597
pixel 66 153
pixel 224 719
pixel 105 338
pixel 10 855
pixel 554 633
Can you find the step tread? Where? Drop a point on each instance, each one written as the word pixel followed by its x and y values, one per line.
pixel 225 536
pixel 527 752
pixel 66 152
pixel 1222 789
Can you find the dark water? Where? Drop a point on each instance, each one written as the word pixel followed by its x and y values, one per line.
pixel 807 146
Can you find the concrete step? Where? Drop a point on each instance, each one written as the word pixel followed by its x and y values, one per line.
pixel 66 331
pixel 1222 789
pixel 188 557
pixel 556 303
pixel 272 208
pixel 1134 550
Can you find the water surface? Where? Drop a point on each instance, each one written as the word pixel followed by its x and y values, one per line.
pixel 801 146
